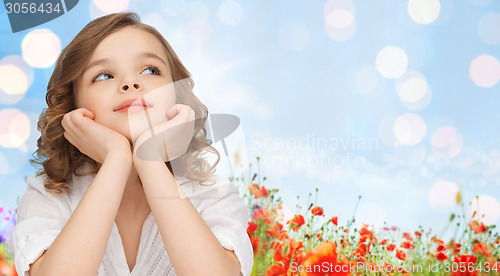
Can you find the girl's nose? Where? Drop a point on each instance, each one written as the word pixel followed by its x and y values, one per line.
pixel 130 86
pixel 126 86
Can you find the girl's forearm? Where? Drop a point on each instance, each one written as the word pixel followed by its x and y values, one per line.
pixel 79 248
pixel 190 244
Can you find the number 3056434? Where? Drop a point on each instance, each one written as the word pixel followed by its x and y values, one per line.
pixel 32 8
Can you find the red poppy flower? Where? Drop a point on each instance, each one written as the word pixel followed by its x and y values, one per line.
pixel 407 245
pixel 481 248
pixel 407 236
pixel 362 249
pixel 477 227
pixel 325 253
pixel 418 234
pixel 317 211
pixel 262 215
pixel 255 244
pixel 441 256
pixel 296 222
pixel 276 270
pixel 285 251
pixel 368 234
pixel 258 191
pixel 335 220
pixel 400 254
pixel 275 231
pixel 252 226
pixel 466 260
pixel 391 247
pixel 436 240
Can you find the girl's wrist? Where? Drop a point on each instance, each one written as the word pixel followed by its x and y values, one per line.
pixel 146 166
pixel 119 155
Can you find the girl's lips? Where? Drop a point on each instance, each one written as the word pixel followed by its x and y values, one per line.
pixel 132 108
pixel 133 105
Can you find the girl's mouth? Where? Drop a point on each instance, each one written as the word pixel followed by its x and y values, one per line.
pixel 133 105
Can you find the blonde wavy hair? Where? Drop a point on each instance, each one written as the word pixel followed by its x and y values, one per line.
pixel 58 159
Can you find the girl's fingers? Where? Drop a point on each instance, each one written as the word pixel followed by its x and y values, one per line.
pixel 69 137
pixel 84 113
pixel 81 119
pixel 68 124
pixel 88 114
pixel 172 112
pixel 179 110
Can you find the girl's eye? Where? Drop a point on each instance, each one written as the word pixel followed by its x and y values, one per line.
pixel 102 76
pixel 151 71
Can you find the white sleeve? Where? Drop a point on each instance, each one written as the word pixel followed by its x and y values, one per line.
pixel 39 221
pixel 227 216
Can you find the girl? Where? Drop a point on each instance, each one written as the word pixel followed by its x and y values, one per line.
pixel 107 200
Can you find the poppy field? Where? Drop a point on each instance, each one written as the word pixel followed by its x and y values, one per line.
pixel 311 244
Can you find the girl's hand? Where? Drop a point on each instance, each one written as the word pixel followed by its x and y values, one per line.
pixel 91 138
pixel 168 140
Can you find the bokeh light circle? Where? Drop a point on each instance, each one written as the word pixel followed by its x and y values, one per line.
pixel 230 13
pixel 487 209
pixel 446 142
pixel 391 62
pixel 21 64
pixel 443 195
pixel 424 11
pixel 443 136
pixel 340 20
pixel 409 129
pixel 14 128
pixel 489 28
pixel 413 90
pixel 13 80
pixel 485 71
pixel 41 48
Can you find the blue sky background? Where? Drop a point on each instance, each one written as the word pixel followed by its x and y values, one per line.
pixel 281 69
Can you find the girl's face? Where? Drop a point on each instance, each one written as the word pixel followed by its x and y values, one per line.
pixel 129 64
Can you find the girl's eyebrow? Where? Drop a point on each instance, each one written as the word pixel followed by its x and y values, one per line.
pixel 152 55
pixel 143 55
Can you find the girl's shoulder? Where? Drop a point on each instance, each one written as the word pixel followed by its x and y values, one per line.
pixel 37 183
pixel 76 186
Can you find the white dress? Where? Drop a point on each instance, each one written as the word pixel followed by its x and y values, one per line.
pixel 42 215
